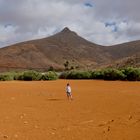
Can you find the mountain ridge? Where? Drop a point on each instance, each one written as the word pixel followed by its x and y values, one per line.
pixel 67 45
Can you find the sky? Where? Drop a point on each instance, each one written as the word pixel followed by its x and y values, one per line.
pixel 104 22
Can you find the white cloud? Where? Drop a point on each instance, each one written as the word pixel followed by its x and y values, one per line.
pixel 30 19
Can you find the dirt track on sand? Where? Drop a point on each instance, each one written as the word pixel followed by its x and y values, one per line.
pixel 101 110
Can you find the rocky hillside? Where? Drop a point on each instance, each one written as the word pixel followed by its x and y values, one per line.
pixel 64 46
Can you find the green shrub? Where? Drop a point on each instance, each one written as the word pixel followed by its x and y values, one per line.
pixel 132 74
pixel 6 77
pixel 49 76
pixel 18 76
pixel 29 76
pixel 63 75
pixel 113 74
pixel 78 75
pixel 97 74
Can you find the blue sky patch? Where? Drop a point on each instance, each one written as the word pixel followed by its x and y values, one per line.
pixel 7 25
pixel 112 25
pixel 87 4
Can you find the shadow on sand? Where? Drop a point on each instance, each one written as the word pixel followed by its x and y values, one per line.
pixel 55 99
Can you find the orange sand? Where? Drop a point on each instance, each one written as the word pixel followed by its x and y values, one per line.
pixel 101 110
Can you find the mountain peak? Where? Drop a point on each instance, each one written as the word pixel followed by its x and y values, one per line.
pixel 66 29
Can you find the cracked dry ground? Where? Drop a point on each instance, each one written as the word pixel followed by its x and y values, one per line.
pixel 101 110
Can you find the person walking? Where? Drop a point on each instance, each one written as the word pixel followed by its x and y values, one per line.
pixel 68 91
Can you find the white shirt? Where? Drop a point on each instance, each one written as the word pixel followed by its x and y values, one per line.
pixel 68 89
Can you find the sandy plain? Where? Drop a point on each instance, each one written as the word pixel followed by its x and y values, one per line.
pixel 101 110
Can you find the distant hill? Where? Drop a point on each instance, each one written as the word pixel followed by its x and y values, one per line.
pixel 133 61
pixel 124 55
pixel 64 46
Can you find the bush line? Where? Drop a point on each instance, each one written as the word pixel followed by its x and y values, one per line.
pixel 125 74
pixel 28 76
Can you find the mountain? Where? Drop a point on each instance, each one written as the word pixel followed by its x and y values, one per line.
pixel 124 55
pixel 126 62
pixel 54 51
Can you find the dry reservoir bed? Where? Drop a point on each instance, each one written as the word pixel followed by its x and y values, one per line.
pixel 101 110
